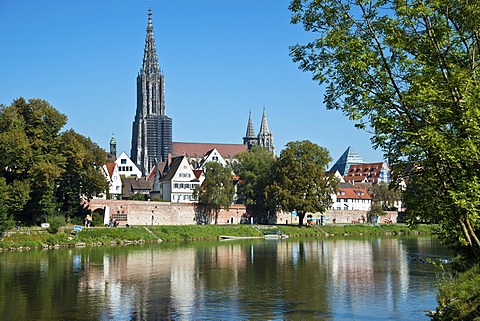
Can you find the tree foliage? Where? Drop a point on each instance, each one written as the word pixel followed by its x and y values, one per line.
pixel 254 172
pixel 408 70
pixel 82 177
pixel 299 180
pixel 217 190
pixel 45 172
pixel 384 195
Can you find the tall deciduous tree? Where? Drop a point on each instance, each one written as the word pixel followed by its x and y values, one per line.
pixel 408 70
pixel 300 182
pixel 217 190
pixel 45 171
pixel 254 171
pixel 82 177
pixel 31 160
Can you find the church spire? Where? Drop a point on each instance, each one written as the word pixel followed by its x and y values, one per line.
pixel 150 61
pixel 264 125
pixel 265 137
pixel 152 129
pixel 250 139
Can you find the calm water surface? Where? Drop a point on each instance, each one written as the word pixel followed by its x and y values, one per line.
pixel 379 278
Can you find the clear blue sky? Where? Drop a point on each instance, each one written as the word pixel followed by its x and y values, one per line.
pixel 221 59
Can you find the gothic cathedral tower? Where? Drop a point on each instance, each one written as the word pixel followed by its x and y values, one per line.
pixel 250 139
pixel 152 129
pixel 264 137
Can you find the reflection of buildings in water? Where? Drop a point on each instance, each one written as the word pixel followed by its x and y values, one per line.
pixel 351 265
pixel 129 281
pixel 182 280
pixel 355 274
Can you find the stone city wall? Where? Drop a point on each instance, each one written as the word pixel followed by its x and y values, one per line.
pixel 160 213
pixel 338 217
pixel 165 213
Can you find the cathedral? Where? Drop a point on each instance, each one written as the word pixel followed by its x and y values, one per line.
pixel 152 128
pixel 264 137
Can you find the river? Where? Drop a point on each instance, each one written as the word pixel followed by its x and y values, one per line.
pixel 337 278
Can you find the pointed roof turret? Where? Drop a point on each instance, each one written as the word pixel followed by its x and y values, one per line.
pixel 264 125
pixel 265 136
pixel 113 147
pixel 250 139
pixel 112 140
pixel 250 131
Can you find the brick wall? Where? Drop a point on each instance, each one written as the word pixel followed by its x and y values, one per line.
pixel 165 213
pixel 161 213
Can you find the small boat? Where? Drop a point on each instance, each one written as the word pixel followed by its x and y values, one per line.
pixel 276 235
pixel 231 237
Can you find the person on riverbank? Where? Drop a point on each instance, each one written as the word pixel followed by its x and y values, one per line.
pixel 88 221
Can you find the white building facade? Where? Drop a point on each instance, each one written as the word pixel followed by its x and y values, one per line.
pixel 127 167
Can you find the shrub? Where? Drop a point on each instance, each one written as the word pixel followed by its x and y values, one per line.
pixel 56 222
pixel 459 297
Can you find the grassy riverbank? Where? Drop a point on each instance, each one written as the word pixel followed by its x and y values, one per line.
pixel 29 238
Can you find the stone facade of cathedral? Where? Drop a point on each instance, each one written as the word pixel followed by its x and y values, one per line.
pixel 152 129
pixel 264 137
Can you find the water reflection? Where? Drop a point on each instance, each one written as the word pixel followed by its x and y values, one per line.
pixel 335 278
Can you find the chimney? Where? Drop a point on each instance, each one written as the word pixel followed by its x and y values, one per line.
pixel 169 161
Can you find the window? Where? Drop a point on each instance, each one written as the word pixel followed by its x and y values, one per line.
pixel 123 161
pixel 119 217
pixel 181 185
pixel 175 185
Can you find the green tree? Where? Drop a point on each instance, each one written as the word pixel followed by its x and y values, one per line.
pixel 299 179
pixel 254 172
pixel 31 159
pixel 384 195
pixel 6 221
pixel 82 177
pixel 217 190
pixel 408 70
pixel 46 172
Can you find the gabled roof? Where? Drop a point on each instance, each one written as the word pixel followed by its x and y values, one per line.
pixel 134 184
pixel 159 167
pixel 197 173
pixel 353 193
pixel 110 169
pixel 199 149
pixel 174 165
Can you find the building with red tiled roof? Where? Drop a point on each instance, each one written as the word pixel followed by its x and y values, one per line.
pixel 195 152
pixel 351 198
pixel 368 173
pixel 112 175
pixel 200 149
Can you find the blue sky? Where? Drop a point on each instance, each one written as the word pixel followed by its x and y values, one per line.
pixel 221 60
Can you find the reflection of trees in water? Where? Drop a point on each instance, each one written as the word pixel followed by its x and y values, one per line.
pixel 260 279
